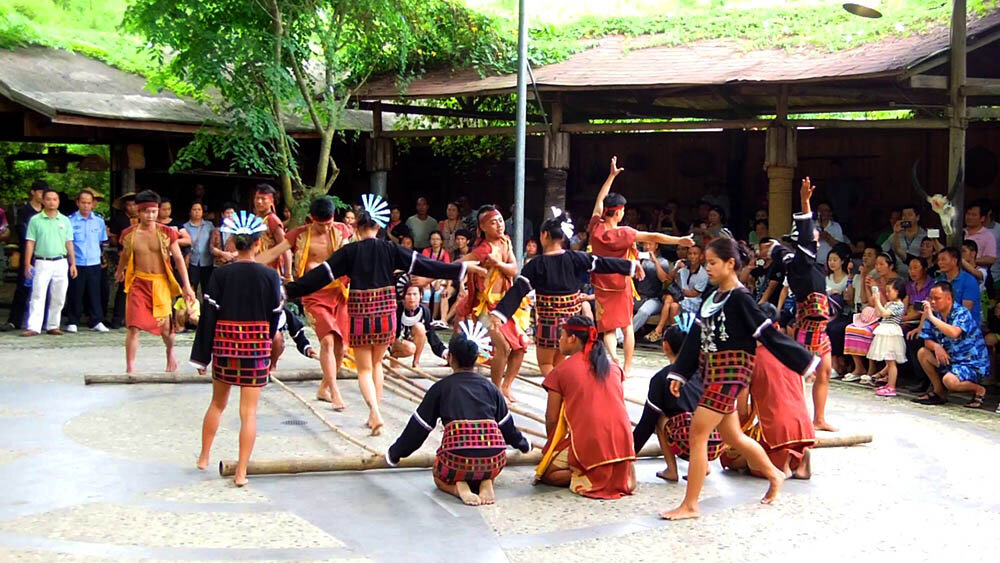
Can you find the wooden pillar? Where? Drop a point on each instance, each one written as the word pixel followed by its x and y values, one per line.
pixel 780 162
pixel 125 160
pixel 555 161
pixel 378 155
pixel 958 122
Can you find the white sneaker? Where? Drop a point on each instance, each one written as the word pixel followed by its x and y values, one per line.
pixel 851 377
pixel 866 379
pixel 71 329
pixel 99 327
pixel 834 374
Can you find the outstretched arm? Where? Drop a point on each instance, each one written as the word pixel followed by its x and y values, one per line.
pixel 805 193
pixel 181 267
pixel 660 238
pixel 273 253
pixel 615 171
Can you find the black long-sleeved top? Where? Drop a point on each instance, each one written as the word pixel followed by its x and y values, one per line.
pixel 405 320
pixel 297 330
pixel 240 291
pixel 741 327
pixel 805 275
pixel 460 396
pixel 660 401
pixel 557 274
pixel 370 264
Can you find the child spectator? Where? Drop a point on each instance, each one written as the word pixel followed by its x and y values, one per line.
pixel 889 346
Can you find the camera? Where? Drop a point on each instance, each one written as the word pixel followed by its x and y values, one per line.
pixel 907 224
pixel 918 306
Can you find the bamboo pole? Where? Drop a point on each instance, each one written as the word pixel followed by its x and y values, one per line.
pixel 187 377
pixel 323 419
pixel 843 441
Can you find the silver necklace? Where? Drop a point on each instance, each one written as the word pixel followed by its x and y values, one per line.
pixel 714 327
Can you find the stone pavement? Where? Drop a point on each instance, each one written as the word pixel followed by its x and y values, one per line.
pixel 106 473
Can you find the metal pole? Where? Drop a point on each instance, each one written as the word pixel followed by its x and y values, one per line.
pixel 519 138
pixel 958 122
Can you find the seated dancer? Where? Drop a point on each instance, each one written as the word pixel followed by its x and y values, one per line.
pixel 495 253
pixel 615 293
pixel 477 428
pixel 669 416
pixel 371 303
pixel 589 446
pixel 773 411
pixel 807 281
pixel 150 286
pixel 242 305
pixel 326 309
pixel 413 328
pixel 554 276
pixel 722 345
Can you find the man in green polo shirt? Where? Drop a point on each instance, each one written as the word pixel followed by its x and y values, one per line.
pixel 50 245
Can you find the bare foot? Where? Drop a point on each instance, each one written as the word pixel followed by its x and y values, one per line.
pixel 467 496
pixel 804 470
pixel 171 363
pixel 129 369
pixel 667 475
pixel 486 493
pixel 240 480
pixel 681 513
pixel 323 397
pixel 203 463
pixel 508 395
pixel 376 423
pixel 823 426
pixel 776 481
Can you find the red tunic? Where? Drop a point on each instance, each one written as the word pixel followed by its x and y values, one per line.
pixel 485 292
pixel 600 433
pixel 326 309
pixel 613 292
pixel 777 393
pixel 272 236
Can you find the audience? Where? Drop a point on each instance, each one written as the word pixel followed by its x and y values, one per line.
pixel 650 288
pixel 450 226
pixel 975 230
pixel 907 236
pixel 88 233
pixel 830 232
pixel 421 225
pixel 840 290
pixel 963 286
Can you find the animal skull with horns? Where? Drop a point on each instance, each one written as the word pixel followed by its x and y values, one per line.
pixel 941 204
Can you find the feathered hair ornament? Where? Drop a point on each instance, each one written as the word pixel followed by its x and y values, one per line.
pixel 377 208
pixel 684 321
pixel 566 225
pixel 402 284
pixel 243 224
pixel 477 333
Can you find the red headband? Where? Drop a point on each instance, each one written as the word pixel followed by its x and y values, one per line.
pixel 146 205
pixel 613 208
pixel 489 216
pixel 591 335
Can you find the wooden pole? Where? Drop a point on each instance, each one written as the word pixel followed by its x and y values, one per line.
pixel 957 120
pixel 843 441
pixel 186 377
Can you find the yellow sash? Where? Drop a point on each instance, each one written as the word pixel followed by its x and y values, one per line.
pixel 128 244
pixel 561 432
pixel 302 254
pixel 489 298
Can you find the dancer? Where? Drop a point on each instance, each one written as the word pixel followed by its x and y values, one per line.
pixel 589 446
pixel 477 428
pixel 148 278
pixel 807 281
pixel 413 328
pixel 495 252
pixel 326 309
pixel 371 303
pixel 615 293
pixel 263 207
pixel 242 305
pixel 773 412
pixel 555 278
pixel 669 416
pixel 722 345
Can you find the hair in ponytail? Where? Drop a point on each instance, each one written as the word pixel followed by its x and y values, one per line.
pixel 554 227
pixel 726 248
pixel 583 329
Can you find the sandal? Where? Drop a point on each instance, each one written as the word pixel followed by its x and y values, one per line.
pixel 654 336
pixel 932 398
pixel 976 402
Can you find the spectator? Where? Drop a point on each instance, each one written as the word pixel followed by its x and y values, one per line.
pixel 437 292
pixel 889 346
pixel 469 215
pixel 529 227
pixel 413 329
pixel 667 221
pixel 530 250
pixel 840 290
pixel 199 259
pixel 774 275
pixel 4 236
pixel 759 233
pixel 450 226
pixel 693 279
pixel 975 229
pixel 50 243
pixel 894 217
pixel 580 241
pixel 88 234
pixel 928 251
pixel 992 225
pixel 954 355
pixel 867 269
pixel 406 240
pixel 223 248
pixel 421 225
pixel 918 289
pixel 970 250
pixel 165 217
pixel 964 288
pixel 350 218
pixel 650 288
pixel 717 198
pixel 22 293
pixel 127 216
pixel 860 333
pixel 993 340
pixel 907 236
pixel 462 240
pixel 830 232
pixel 395 220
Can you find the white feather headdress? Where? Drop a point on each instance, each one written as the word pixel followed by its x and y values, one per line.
pixel 377 208
pixel 566 225
pixel 477 333
pixel 243 224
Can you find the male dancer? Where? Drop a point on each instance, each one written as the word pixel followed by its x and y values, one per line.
pixel 149 281
pixel 326 309
pixel 263 207
pixel 614 292
pixel 807 281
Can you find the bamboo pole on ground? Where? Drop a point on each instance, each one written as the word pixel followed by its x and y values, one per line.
pixel 537 384
pixel 843 441
pixel 323 419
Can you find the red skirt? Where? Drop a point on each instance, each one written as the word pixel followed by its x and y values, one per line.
pixel 373 316
pixel 326 311
pixel 241 353
pixel 679 430
pixel 725 375
pixel 551 311
pixel 613 308
pixel 466 435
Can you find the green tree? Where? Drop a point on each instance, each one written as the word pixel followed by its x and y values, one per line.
pixel 269 66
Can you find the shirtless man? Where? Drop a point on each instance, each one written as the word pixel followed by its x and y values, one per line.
pixel 326 309
pixel 149 281
pixel 263 207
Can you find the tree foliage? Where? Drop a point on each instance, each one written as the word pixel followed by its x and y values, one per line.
pixel 280 66
pixel 16 176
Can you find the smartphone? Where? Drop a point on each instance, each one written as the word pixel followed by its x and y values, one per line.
pixel 760 262
pixel 907 224
pixel 644 256
pixel 874 290
pixel 933 233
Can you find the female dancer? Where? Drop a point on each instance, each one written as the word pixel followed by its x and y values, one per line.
pixel 722 345
pixel 555 278
pixel 242 305
pixel 371 302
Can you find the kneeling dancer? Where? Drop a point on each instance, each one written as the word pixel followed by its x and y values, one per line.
pixel 477 428
pixel 722 344
pixel 371 303
pixel 589 447
pixel 669 416
pixel 242 305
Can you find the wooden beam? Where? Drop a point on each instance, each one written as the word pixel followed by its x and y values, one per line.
pixel 460 131
pixel 957 124
pixel 982 113
pixel 991 89
pixel 445 112
pixel 941 82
